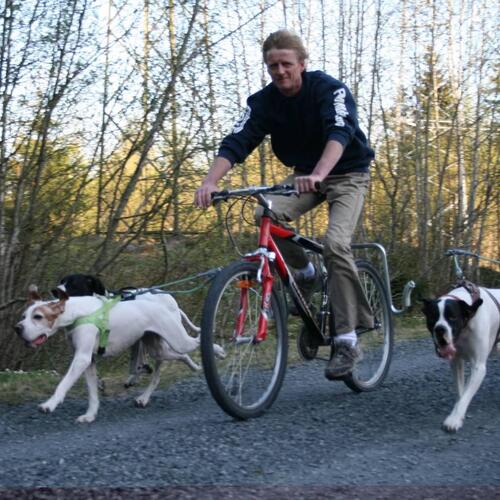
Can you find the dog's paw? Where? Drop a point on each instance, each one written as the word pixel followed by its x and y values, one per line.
pixel 131 381
pixel 47 407
pixel 85 419
pixel 219 352
pixel 141 402
pixel 145 368
pixel 101 386
pixel 452 423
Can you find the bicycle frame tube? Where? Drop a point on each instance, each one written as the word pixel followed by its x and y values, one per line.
pixel 263 255
pixel 269 251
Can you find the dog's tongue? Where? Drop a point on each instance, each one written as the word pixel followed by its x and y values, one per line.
pixel 447 352
pixel 39 340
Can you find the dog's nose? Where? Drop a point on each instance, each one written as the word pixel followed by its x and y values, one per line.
pixel 439 331
pixel 19 329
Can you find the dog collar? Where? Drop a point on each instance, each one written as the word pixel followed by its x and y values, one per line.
pixel 100 319
pixel 472 288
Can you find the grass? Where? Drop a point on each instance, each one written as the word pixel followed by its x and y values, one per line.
pixel 20 386
pixel 17 387
pixel 409 327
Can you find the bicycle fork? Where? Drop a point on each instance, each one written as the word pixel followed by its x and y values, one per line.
pixel 265 277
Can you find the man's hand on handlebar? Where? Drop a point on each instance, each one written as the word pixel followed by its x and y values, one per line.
pixel 203 195
pixel 307 183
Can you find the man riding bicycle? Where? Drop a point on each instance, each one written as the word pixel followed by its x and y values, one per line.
pixel 312 121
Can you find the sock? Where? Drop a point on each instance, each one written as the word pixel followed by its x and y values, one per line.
pixel 350 338
pixel 309 271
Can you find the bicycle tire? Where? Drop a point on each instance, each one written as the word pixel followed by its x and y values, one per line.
pixel 247 381
pixel 377 344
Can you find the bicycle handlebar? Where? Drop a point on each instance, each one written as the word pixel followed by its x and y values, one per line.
pixel 459 251
pixel 277 189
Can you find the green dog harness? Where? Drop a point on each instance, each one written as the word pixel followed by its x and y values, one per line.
pixel 100 319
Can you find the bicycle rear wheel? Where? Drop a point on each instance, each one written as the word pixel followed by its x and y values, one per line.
pixel 377 344
pixel 247 381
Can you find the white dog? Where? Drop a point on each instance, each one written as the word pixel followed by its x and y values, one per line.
pixel 157 322
pixel 464 329
pixel 80 285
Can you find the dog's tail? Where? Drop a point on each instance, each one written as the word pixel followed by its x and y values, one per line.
pixel 190 323
pixel 218 350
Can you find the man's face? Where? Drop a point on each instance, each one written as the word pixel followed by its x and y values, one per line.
pixel 285 69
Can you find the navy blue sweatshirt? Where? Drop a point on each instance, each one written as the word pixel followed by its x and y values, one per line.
pixel 301 125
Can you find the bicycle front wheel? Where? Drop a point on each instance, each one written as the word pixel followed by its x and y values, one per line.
pixel 246 381
pixel 376 344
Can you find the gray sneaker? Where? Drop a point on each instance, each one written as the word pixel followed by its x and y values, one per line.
pixel 342 360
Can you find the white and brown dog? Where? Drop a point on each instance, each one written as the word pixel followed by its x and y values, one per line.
pixel 464 327
pixel 157 322
pixel 81 285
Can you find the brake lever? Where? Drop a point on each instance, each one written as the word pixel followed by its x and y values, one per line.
pixel 219 196
pixel 283 188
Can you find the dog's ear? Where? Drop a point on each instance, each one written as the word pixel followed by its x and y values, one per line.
pixel 60 292
pixel 59 307
pixel 33 295
pixel 426 304
pixel 96 285
pixel 469 310
pixel 62 295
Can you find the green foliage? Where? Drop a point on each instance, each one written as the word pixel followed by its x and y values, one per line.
pixel 36 385
pixel 434 88
pixel 20 386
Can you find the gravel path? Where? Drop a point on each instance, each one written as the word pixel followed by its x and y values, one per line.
pixel 318 436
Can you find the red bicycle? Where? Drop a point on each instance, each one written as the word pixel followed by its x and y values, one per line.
pixel 246 314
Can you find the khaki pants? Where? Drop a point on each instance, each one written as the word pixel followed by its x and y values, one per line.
pixel 345 196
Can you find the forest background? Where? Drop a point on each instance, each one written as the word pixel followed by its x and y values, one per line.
pixel 111 111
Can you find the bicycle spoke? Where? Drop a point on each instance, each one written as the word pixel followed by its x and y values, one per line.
pixel 248 379
pixel 376 344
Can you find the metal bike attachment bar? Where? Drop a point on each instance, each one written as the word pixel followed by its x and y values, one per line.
pixel 408 288
pixel 458 252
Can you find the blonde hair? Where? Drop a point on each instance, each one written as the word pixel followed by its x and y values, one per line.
pixel 284 39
